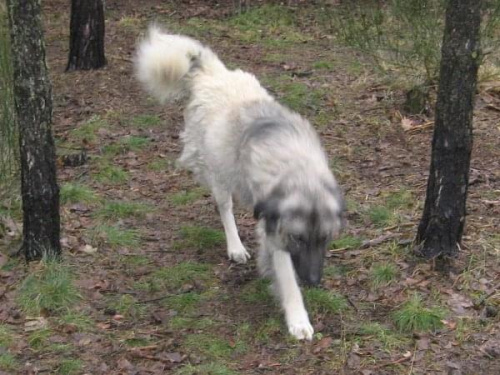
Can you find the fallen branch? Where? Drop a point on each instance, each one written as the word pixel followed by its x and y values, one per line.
pixel 378 240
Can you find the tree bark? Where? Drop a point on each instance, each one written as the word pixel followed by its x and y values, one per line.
pixel 33 104
pixel 442 224
pixel 86 42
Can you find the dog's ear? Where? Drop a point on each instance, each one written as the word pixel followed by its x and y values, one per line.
pixel 268 210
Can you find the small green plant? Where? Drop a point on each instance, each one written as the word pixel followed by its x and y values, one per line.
pixel 82 322
pixel 160 164
pixel 146 121
pixel 49 289
pixel 389 339
pixel 211 346
pixel 182 322
pixel 122 210
pixel 6 336
pixel 399 199
pixel 321 301
pixel 130 23
pixel 114 236
pixel 184 197
pixel 414 316
pixel 346 242
pixel 172 278
pixel 8 362
pixel 127 305
pixel 70 366
pixel 212 368
pixel 268 329
pixel 87 131
pixel 380 216
pixel 200 238
pixel 75 193
pixel 38 339
pixel 183 303
pixel 126 144
pixel 323 65
pixel 257 291
pixel 383 274
pixel 110 174
pixel 335 271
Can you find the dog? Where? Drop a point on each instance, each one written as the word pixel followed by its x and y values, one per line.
pixel 242 144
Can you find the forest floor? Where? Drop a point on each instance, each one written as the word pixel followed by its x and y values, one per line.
pixel 153 291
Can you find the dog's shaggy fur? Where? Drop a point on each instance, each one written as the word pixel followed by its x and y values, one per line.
pixel 241 143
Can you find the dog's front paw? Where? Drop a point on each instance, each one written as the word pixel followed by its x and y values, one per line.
pixel 301 329
pixel 238 254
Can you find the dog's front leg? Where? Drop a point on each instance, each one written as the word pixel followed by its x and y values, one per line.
pixel 235 249
pixel 290 296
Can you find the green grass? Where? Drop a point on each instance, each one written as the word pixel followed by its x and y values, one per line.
pixel 8 362
pixel 172 278
pixel 346 242
pixel 183 198
pixel 399 199
pixel 257 292
pixel 127 306
pixel 146 121
pixel 6 336
pixel 115 236
pixel 111 174
pixel 335 271
pixel 323 65
pixel 135 260
pixel 75 193
pixel 70 366
pixel 87 131
pixel 183 322
pixel 160 165
pixel 183 303
pixel 48 289
pixel 390 340
pixel 38 339
pixel 268 329
pixel 212 346
pixel 382 274
pixel 414 316
pixel 321 301
pixel 200 238
pixel 212 368
pixel 126 144
pixel 122 210
pixel 380 216
pixel 82 322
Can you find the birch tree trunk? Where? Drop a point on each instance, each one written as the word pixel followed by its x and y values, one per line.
pixel 441 228
pixel 33 104
pixel 86 41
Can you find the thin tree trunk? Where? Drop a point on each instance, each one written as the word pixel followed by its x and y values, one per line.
pixel 441 228
pixel 33 104
pixel 86 42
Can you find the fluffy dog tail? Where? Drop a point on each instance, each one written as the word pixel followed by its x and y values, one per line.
pixel 165 63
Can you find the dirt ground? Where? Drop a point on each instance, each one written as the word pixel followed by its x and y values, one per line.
pixel 158 295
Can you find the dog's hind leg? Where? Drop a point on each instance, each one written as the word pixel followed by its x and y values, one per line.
pixel 286 286
pixel 235 249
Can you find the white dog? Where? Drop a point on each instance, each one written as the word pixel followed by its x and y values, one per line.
pixel 241 143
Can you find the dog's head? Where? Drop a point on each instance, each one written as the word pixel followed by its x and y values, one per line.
pixel 303 222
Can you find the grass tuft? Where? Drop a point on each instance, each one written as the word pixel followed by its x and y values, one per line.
pixel 87 131
pixel 212 346
pixel 38 339
pixel 257 291
pixel 6 336
pixel 184 197
pixel 8 362
pixel 383 274
pixel 414 316
pixel 75 193
pixel 80 321
pixel 110 174
pixel 346 242
pixel 321 301
pixel 145 121
pixel 70 366
pixel 49 289
pixel 122 210
pixel 380 216
pixel 172 278
pixel 115 237
pixel 200 238
pixel 212 368
pixel 389 339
